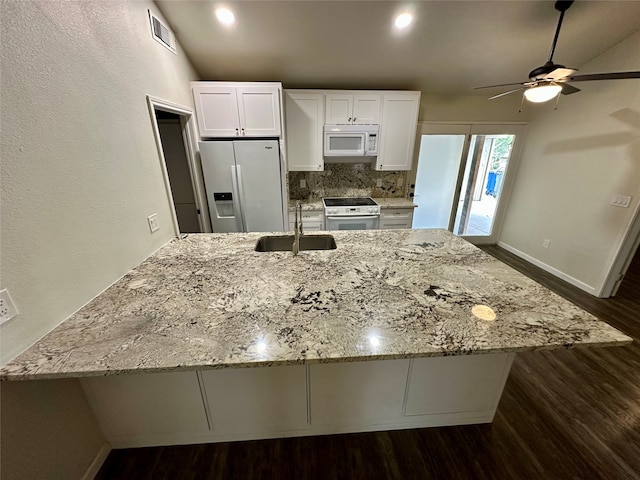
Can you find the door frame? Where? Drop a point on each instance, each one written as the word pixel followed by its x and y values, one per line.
pixel 625 251
pixel 477 128
pixel 186 123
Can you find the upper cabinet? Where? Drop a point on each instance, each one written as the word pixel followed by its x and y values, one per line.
pixel 353 108
pixel 308 111
pixel 237 109
pixel 398 130
pixel 304 121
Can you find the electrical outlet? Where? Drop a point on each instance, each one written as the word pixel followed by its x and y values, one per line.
pixel 154 226
pixel 379 182
pixel 8 309
pixel 619 200
pixel 400 181
pixel 303 183
pixel 546 243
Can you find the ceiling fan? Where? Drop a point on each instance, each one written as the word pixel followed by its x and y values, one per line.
pixel 547 81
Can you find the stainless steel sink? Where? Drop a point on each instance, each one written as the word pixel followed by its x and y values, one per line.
pixel 284 243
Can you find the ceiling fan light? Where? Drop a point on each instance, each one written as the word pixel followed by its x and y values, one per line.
pixel 542 93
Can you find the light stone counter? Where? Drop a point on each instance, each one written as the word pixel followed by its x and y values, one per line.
pixel 383 202
pixel 395 203
pixel 211 301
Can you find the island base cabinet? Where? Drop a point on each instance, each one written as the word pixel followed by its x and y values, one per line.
pixel 256 402
pixel 356 396
pixel 465 386
pixel 148 408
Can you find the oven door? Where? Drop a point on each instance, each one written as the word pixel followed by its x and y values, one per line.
pixel 365 222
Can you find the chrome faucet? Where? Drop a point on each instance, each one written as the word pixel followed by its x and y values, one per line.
pixel 297 233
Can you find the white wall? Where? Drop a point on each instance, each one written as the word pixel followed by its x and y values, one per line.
pixel 80 174
pixel 574 159
pixel 80 169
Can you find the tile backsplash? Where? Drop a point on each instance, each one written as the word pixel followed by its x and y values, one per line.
pixel 347 180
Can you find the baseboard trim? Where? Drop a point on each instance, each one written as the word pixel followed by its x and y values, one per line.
pixel 554 271
pixel 97 462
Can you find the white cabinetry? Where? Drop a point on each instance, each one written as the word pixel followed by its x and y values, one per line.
pixel 396 218
pixel 398 130
pixel 474 384
pixel 353 108
pixel 267 402
pixel 151 405
pixel 357 394
pixel 256 400
pixel 237 109
pixel 304 121
pixel 312 220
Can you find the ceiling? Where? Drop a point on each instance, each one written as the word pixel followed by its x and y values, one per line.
pixel 450 47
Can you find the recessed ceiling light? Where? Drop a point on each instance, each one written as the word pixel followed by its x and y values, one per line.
pixel 403 20
pixel 225 16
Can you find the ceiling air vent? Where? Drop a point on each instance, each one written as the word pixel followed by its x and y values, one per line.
pixel 161 33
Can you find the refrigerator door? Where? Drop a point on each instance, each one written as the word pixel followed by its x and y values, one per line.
pixel 259 185
pixel 219 171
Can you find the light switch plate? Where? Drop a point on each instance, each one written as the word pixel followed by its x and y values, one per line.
pixel 154 226
pixel 8 309
pixel 303 183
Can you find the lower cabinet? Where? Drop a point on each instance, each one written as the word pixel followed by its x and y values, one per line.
pixel 357 394
pixel 312 220
pixel 253 400
pixel 396 218
pixel 270 402
pixel 147 404
pixel 473 384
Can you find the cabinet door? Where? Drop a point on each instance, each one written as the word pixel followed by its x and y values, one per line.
pixel 304 118
pixel 396 218
pixel 259 110
pixel 357 393
pixel 339 108
pixel 254 400
pixel 147 403
pixel 366 108
pixel 216 111
pixel 474 383
pixel 398 131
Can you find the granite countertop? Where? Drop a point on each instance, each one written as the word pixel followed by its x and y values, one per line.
pixel 211 301
pixel 383 202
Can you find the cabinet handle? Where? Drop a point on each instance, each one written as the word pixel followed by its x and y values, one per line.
pixel 319 167
pixel 354 119
pixel 349 119
pixel 237 132
pixel 243 131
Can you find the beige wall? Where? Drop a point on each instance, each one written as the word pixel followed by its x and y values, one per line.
pixel 478 109
pixel 80 174
pixel 574 159
pixel 80 169
pixel 48 431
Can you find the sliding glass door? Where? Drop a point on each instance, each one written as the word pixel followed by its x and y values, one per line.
pixel 461 174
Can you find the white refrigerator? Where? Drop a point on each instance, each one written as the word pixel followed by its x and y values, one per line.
pixel 243 183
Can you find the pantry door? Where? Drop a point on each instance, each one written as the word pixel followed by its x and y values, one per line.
pixel 463 178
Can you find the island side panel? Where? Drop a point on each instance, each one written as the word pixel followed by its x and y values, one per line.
pixel 299 400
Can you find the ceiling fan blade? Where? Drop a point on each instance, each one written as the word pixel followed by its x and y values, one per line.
pixel 505 93
pixel 502 85
pixel 568 89
pixel 604 76
pixel 560 73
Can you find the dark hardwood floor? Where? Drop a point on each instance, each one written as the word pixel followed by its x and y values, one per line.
pixel 572 414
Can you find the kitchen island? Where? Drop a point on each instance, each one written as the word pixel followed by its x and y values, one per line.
pixel 393 329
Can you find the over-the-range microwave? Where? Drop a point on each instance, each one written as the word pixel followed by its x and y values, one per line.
pixel 351 140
